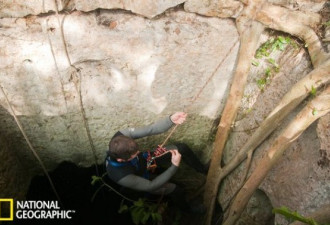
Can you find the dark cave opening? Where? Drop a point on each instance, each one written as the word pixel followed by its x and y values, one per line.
pixel 74 187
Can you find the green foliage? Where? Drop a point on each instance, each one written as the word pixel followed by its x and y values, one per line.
pixel 255 63
pixel 272 45
pixel 265 50
pixel 293 216
pixel 143 211
pixel 314 112
pixel 262 83
pixel 272 61
pixel 268 72
pixel 327 24
pixel 266 78
pixel 96 179
pixel 313 91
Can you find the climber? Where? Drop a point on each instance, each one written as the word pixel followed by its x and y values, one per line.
pixel 127 166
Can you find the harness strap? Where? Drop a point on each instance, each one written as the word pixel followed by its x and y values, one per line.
pixel 151 162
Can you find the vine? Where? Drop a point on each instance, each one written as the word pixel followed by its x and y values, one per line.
pixel 292 216
pixel 141 210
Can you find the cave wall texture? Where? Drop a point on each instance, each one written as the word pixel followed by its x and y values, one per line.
pixel 14 178
pixel 128 64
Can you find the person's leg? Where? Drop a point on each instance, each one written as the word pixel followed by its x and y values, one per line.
pixel 165 159
pixel 178 198
pixel 190 158
pixel 175 193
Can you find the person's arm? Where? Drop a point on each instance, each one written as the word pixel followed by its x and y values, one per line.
pixel 158 127
pixel 141 184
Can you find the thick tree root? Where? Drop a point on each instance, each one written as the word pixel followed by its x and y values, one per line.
pixel 249 41
pixel 301 122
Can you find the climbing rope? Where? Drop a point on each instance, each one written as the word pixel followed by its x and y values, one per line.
pixel 30 146
pixel 151 164
pixel 191 102
pixel 77 82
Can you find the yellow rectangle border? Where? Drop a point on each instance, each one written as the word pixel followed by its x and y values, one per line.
pixel 11 218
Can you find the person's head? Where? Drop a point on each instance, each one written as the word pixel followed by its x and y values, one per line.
pixel 123 148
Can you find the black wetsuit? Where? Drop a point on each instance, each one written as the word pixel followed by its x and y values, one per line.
pixel 133 174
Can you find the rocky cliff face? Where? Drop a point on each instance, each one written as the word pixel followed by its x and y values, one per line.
pixel 82 68
pixel 13 176
pixel 126 70
pixel 104 70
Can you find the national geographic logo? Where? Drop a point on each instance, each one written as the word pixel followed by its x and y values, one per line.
pixel 32 210
pixel 6 209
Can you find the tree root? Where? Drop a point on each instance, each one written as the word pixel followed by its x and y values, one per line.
pixel 301 122
pixel 249 41
pixel 297 24
pixel 315 79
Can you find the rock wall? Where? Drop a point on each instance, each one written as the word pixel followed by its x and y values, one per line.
pixel 73 67
pixel 118 68
pixel 13 182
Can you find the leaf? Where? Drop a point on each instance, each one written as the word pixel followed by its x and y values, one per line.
pixel 139 203
pixel 283 40
pixel 156 217
pixel 288 40
pixel 272 61
pixel 294 215
pixel 137 214
pixel 145 217
pixel 314 112
pixel 261 84
pixel 285 212
pixel 95 179
pixel 281 46
pixel 255 63
pixel 267 72
pixel 313 91
pixel 123 208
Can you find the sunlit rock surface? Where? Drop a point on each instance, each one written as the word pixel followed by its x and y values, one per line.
pixel 126 70
pixel 129 68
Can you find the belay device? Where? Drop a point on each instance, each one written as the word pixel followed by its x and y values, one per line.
pixel 151 163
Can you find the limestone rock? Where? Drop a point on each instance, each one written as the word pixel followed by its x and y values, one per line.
pixel 14 179
pixel 127 71
pixel 223 8
pixel 21 8
pixel 149 8
pixel 303 5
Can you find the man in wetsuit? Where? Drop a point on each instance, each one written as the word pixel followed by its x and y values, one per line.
pixel 127 166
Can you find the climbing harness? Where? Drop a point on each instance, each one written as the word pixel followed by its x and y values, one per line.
pixel 149 156
pixel 151 162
